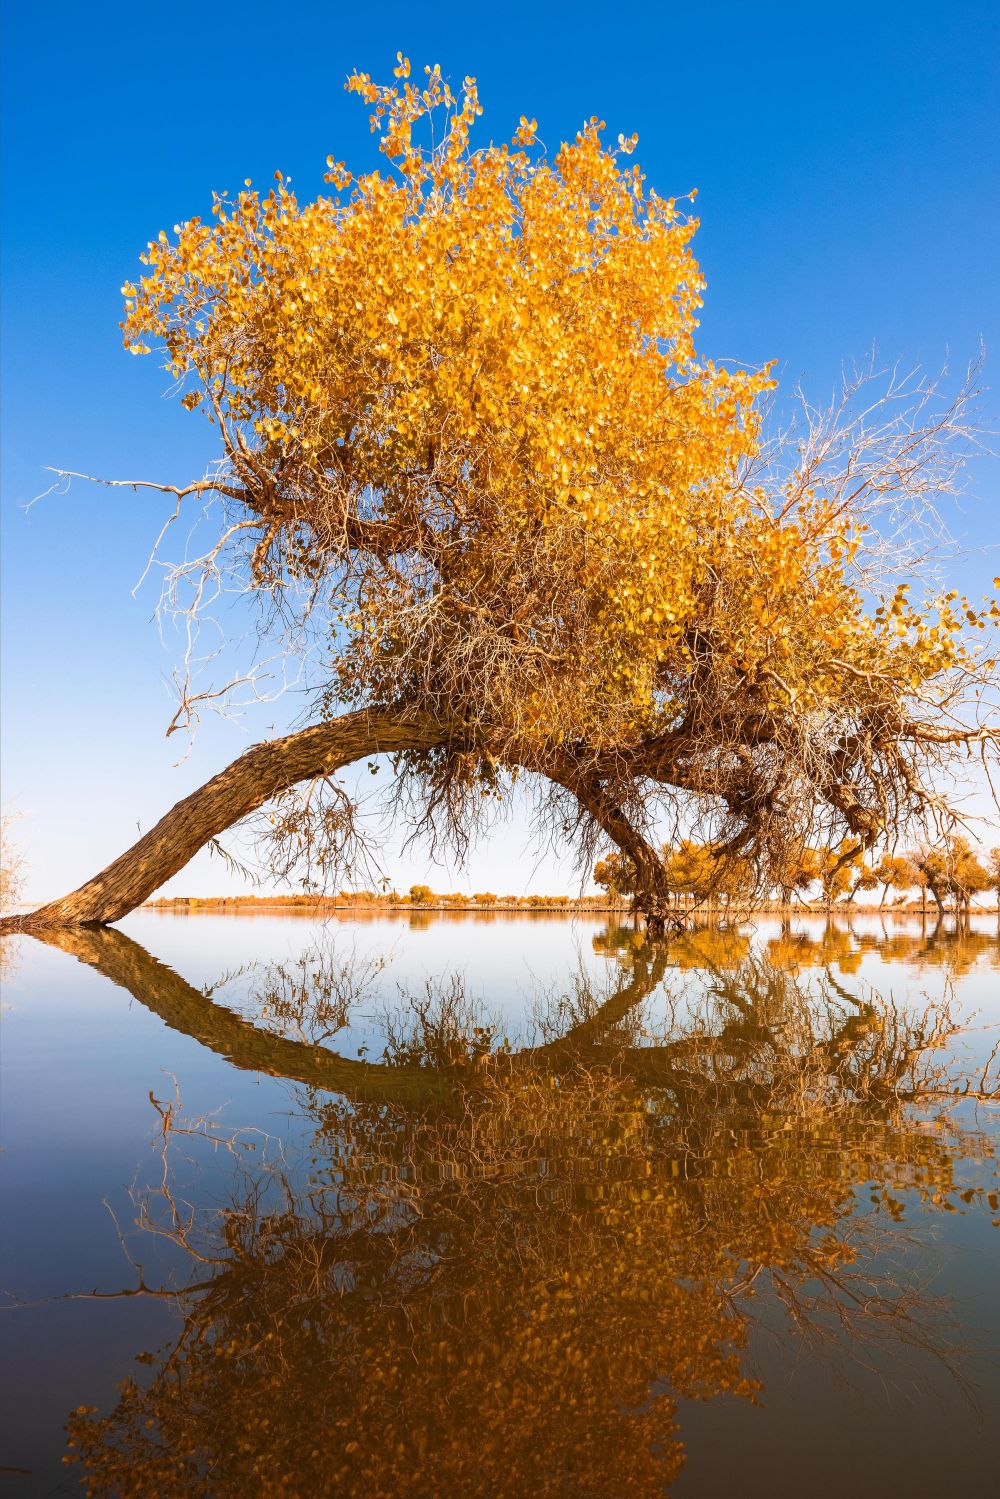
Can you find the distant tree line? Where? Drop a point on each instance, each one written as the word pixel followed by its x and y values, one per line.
pixel 951 873
pixel 418 896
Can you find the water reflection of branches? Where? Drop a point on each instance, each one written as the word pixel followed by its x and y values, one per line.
pixel 439 1026
pixel 505 1287
pixel 956 948
pixel 313 996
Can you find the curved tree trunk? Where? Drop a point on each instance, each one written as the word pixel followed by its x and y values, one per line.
pixel 265 771
pixel 652 892
pixel 193 1013
pixel 262 773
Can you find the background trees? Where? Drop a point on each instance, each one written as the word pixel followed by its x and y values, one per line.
pixel 698 874
pixel 994 871
pixel 967 876
pixel 11 865
pixel 895 872
pixel 951 872
pixel 616 875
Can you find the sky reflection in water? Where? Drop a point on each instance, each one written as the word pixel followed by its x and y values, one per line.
pixel 499 1206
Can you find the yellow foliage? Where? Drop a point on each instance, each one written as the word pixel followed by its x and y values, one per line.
pixel 462 394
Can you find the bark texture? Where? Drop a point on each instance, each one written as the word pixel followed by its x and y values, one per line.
pixel 244 786
pixel 269 769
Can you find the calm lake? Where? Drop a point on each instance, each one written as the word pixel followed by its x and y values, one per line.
pixel 500 1205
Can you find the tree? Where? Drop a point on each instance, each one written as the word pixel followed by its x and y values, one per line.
pixel 865 878
pixel 11 866
pixel 616 875
pixel 894 872
pixel 931 865
pixel 692 869
pixel 994 872
pixel 836 870
pixel 468 451
pixel 796 870
pixel 966 874
pixel 952 871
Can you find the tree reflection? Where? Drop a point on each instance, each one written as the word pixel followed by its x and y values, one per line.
pixel 496 1271
pixel 956 949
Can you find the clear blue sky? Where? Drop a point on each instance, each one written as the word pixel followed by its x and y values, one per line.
pixel 849 190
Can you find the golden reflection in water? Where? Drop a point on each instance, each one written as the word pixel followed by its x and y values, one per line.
pixel 494 1272
pixel 955 947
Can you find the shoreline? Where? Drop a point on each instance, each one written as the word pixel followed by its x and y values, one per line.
pixel 514 906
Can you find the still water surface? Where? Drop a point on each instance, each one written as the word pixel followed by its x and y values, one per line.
pixel 500 1206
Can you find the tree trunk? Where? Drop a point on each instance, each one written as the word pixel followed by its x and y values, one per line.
pixel 652 890
pixel 192 1013
pixel 266 770
pixel 262 773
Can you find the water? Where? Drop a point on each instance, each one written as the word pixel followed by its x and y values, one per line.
pixel 499 1205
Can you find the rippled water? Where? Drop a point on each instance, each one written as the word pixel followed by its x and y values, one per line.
pixel 500 1206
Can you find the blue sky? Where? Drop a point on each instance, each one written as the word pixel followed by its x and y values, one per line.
pixel 848 166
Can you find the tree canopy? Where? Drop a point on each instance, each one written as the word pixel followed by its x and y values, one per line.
pixel 466 435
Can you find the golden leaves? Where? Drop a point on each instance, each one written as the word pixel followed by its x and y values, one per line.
pixel 490 355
